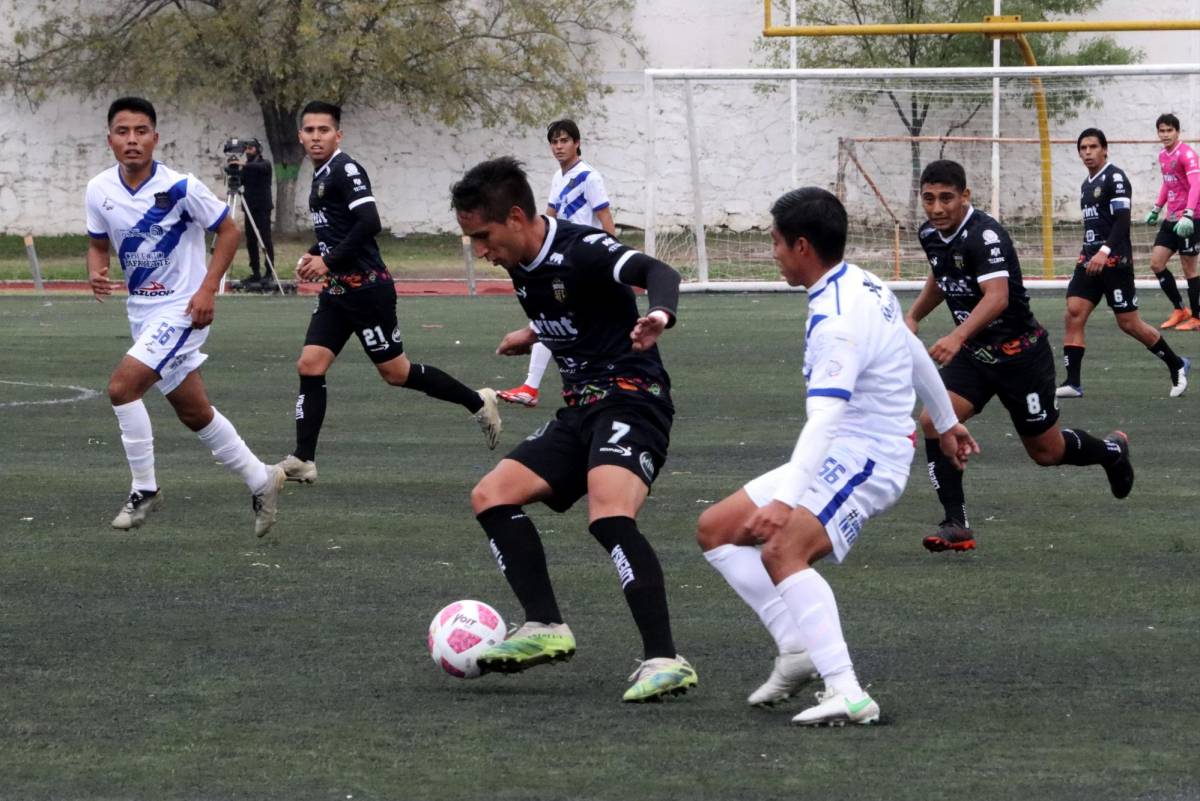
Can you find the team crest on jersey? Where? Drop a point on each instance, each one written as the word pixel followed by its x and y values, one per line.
pixel 162 200
pixel 1118 178
pixel 321 189
pixel 560 290
pixel 351 170
pixel 958 261
pixel 1096 192
pixel 990 237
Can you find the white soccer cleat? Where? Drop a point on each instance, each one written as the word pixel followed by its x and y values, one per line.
pixel 1068 391
pixel 266 503
pixel 297 469
pixel 1179 385
pixel 835 709
pixel 488 417
pixel 791 672
pixel 136 509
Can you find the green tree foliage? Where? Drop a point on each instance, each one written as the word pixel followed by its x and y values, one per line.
pixel 943 50
pixel 487 61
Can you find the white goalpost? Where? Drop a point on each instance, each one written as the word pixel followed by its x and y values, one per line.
pixel 865 133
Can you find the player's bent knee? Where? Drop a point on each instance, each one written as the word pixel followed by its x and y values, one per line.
pixel 710 533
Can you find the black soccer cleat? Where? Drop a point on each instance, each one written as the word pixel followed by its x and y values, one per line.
pixel 1120 472
pixel 951 536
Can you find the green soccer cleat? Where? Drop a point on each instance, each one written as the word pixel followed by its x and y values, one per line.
pixel 657 678
pixel 529 646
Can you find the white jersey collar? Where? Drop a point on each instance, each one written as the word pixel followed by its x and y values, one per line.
pixel 958 230
pixel 551 230
pixel 1103 169
pixel 328 161
pixel 830 276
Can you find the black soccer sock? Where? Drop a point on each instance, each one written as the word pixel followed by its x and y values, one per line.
pixel 441 385
pixel 947 482
pixel 1194 295
pixel 1073 357
pixel 1167 282
pixel 1083 449
pixel 519 554
pixel 310 414
pixel 1163 351
pixel 642 581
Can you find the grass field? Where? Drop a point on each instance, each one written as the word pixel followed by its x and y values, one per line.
pixel 188 660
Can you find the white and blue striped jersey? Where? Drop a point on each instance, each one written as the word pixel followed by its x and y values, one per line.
pixel 857 349
pixel 157 231
pixel 577 194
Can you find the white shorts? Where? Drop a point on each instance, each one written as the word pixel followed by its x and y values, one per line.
pixel 169 346
pixel 851 488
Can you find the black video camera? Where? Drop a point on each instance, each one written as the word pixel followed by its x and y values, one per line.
pixel 234 149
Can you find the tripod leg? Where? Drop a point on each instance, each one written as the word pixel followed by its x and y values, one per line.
pixel 266 257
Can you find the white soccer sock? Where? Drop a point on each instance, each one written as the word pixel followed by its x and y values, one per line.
pixel 811 601
pixel 138 438
pixel 742 568
pixel 539 358
pixel 222 439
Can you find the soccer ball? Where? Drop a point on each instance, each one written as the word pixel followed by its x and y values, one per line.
pixel 462 631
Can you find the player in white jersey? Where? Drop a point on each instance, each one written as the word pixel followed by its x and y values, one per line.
pixel 577 194
pixel 155 219
pixel 851 462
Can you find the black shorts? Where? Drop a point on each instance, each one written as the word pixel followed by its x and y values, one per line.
pixel 1025 384
pixel 1167 238
pixel 1114 283
pixel 368 313
pixel 624 431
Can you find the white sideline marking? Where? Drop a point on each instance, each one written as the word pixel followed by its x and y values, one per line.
pixel 83 393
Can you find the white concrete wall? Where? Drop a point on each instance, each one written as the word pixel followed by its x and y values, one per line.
pixel 47 156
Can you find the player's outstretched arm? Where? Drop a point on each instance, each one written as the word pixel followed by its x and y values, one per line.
pixel 202 305
pixel 661 283
pixel 930 298
pixel 517 343
pixel 97 264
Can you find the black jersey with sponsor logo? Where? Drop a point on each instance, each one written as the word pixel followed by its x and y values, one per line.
pixel 580 309
pixel 1101 197
pixel 979 250
pixel 339 186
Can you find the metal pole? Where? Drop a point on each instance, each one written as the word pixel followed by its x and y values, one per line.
pixel 794 104
pixel 266 258
pixel 469 264
pixel 995 209
pixel 697 199
pixel 34 267
pixel 650 244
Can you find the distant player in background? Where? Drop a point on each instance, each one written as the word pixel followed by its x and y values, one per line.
pixel 358 297
pixel 996 349
pixel 610 440
pixel 155 219
pixel 850 463
pixel 1179 194
pixel 1105 268
pixel 577 195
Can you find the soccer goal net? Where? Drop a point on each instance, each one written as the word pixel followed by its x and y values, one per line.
pixel 723 144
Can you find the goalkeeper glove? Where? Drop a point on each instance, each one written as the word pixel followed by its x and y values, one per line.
pixel 1185 226
pixel 1152 217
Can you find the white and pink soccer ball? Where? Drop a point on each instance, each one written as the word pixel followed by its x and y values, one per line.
pixel 460 633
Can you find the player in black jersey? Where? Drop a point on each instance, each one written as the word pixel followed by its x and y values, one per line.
pixel 997 348
pixel 1105 268
pixel 359 297
pixel 610 440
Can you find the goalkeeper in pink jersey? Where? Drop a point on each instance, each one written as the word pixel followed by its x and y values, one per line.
pixel 1179 195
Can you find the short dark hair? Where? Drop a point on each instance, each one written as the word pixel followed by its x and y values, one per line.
pixel 137 104
pixel 567 127
pixel 815 214
pixel 1096 132
pixel 1169 119
pixel 492 188
pixel 945 171
pixel 321 107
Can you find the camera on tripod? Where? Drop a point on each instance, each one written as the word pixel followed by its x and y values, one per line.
pixel 234 150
